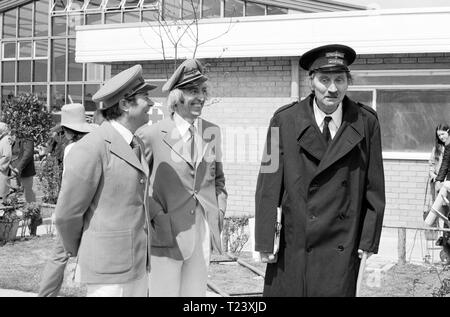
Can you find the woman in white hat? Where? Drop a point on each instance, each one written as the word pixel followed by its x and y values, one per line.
pixel 73 122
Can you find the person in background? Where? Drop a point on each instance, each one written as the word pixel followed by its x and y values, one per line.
pixel 22 163
pixel 440 137
pixel 5 159
pixel 75 127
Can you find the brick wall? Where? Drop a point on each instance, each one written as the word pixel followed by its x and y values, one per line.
pixel 248 91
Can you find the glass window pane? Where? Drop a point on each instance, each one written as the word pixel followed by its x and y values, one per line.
pixel 76 5
pixel 92 19
pixel 57 97
pixel 74 20
pixel 40 49
pixel 24 71
pixel 133 16
pixel 59 60
pixel 149 15
pixel 59 25
pixel 131 3
pixel 365 97
pixel 94 5
pixel 234 8
pixel 271 10
pixel 40 70
pixel 60 5
pixel 9 23
pixel 93 72
pixel 75 69
pixel 25 16
pixel 9 50
pixel 211 9
pixel 406 79
pixel 7 92
pixel 252 9
pixel 23 90
pixel 150 3
pixel 191 9
pixel 41 18
pixel 25 49
pixel 113 4
pixel 408 118
pixel 8 72
pixel 171 9
pixel 113 18
pixel 41 92
pixel 89 91
pixel 74 91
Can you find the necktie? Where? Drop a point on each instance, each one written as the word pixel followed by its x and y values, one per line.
pixel 193 147
pixel 326 130
pixel 135 146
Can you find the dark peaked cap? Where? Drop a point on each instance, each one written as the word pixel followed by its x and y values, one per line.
pixel 125 84
pixel 328 58
pixel 189 72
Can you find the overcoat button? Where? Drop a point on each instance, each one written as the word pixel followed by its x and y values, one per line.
pixel 341 248
pixel 344 183
pixel 192 212
pixel 142 181
pixel 309 249
pixel 312 217
pixel 342 216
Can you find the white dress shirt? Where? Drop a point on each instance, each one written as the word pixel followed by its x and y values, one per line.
pixel 183 127
pixel 124 132
pixel 335 122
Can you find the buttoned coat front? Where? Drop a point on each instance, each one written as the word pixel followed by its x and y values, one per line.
pixel 101 213
pixel 177 186
pixel 332 200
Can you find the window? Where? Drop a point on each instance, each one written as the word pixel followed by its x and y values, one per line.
pixel 211 9
pixel 89 91
pixel 94 72
pixel 150 15
pixel 113 4
pixel 8 72
pixel 234 8
pixel 59 5
pixel 76 5
pixel 40 49
pixel 59 60
pixel 41 18
pixel 129 4
pixel 24 71
pixel 75 69
pixel 25 20
pixel 92 19
pixel 191 9
pixel 73 21
pixel 74 93
pixel 40 70
pixel 253 9
pixel 9 24
pixel 59 25
pixel 41 92
pixel 271 10
pixel 57 97
pixel 9 50
pixel 132 16
pixel 93 5
pixel 113 17
pixel 171 9
pixel 24 49
pixel 150 3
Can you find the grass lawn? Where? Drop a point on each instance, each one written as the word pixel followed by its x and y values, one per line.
pixel 22 263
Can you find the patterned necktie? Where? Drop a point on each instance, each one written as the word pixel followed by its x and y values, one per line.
pixel 193 147
pixel 135 146
pixel 326 130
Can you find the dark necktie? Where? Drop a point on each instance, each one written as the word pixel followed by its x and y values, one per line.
pixel 135 146
pixel 326 130
pixel 193 147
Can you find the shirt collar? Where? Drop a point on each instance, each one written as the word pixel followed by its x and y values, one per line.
pixel 319 115
pixel 124 132
pixel 183 125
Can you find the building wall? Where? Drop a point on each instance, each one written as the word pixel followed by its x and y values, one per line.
pixel 245 94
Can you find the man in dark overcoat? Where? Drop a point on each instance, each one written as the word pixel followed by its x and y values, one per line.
pixel 323 166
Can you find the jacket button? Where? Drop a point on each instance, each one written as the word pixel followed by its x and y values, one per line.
pixel 192 173
pixel 142 181
pixel 344 183
pixel 308 249
pixel 312 217
pixel 341 248
pixel 196 192
pixel 341 216
pixel 69 254
pixel 192 211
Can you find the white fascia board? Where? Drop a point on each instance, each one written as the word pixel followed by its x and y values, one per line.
pixel 368 32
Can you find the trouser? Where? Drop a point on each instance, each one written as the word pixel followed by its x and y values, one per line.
pixel 27 183
pixel 184 278
pixel 53 276
pixel 137 288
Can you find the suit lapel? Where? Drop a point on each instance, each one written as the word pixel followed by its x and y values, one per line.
pixel 309 137
pixel 206 138
pixel 120 148
pixel 350 134
pixel 173 139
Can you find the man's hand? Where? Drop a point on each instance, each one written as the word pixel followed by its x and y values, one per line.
pixel 267 257
pixel 360 253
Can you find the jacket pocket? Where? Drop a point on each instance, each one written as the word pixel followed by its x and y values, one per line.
pixel 112 252
pixel 161 231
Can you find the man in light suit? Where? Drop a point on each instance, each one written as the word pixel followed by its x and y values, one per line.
pixel 102 213
pixel 188 187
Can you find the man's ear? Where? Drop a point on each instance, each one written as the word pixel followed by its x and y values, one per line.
pixel 124 105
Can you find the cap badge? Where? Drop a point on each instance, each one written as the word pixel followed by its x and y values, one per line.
pixel 335 54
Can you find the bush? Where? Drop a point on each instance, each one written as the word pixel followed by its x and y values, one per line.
pixel 235 234
pixel 28 118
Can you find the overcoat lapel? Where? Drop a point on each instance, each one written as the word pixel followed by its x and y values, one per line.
pixel 309 137
pixel 349 135
pixel 120 148
pixel 206 138
pixel 173 139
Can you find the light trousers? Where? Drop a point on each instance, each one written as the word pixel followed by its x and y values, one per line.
pixel 138 288
pixel 188 278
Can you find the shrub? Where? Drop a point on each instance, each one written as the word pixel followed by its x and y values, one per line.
pixel 235 233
